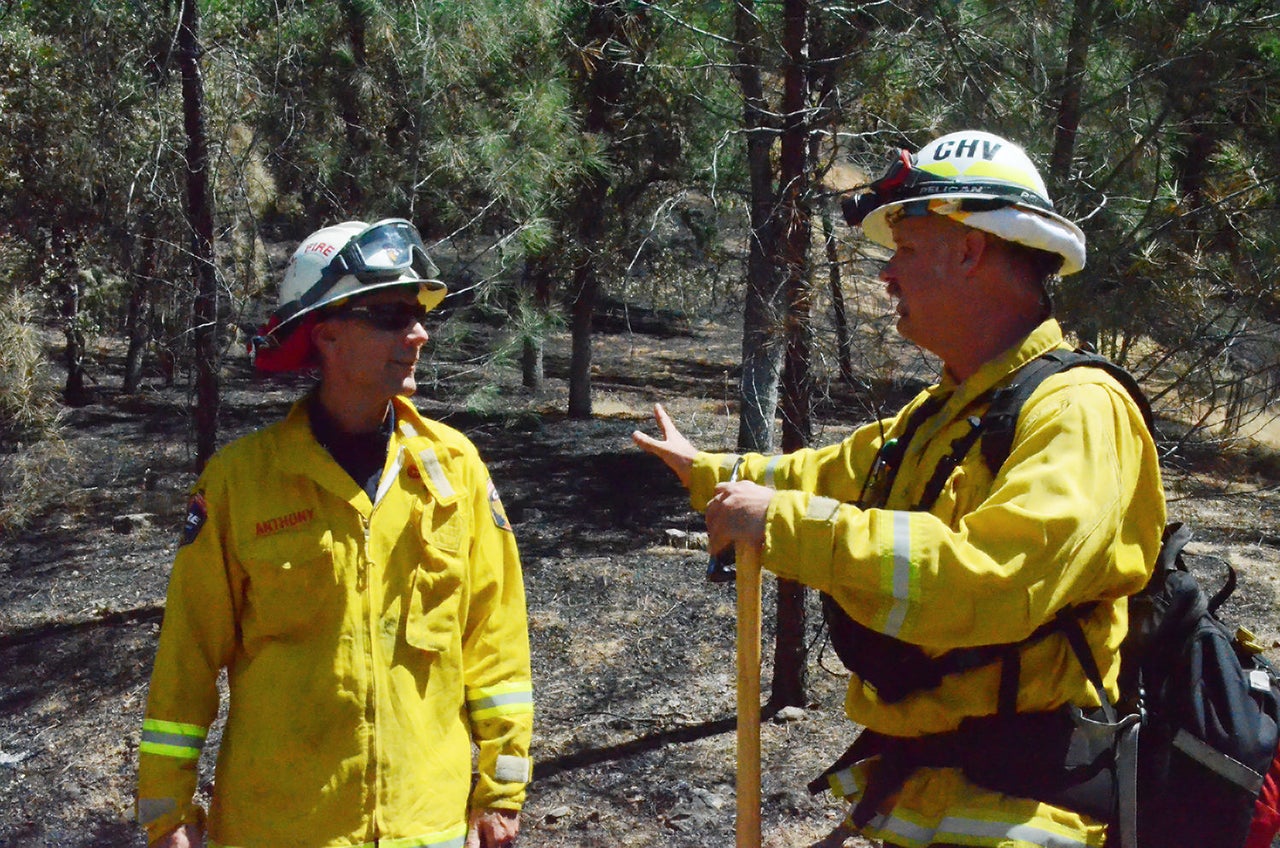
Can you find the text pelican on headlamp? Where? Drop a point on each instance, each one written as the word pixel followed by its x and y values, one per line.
pixel 904 181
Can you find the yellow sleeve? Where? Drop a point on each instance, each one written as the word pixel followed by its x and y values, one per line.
pixel 495 654
pixel 836 471
pixel 1075 514
pixel 197 638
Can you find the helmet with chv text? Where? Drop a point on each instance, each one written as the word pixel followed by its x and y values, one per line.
pixel 332 265
pixel 979 179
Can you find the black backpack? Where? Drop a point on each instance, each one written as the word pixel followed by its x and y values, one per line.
pixel 1208 704
pixel 1185 760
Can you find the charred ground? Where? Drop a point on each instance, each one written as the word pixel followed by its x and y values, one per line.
pixel 633 650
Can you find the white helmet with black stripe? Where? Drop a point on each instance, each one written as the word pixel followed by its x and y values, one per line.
pixel 979 179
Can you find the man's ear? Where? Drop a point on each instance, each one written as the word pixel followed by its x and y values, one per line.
pixel 973 248
pixel 323 337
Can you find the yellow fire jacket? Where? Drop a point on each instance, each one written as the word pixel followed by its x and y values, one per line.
pixel 367 647
pixel 1075 515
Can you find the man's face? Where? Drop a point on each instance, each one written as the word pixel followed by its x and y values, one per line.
pixel 925 277
pixel 372 343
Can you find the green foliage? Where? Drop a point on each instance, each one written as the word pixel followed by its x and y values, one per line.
pixel 475 118
pixel 29 403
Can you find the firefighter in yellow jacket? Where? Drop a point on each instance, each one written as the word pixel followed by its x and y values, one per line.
pixel 352 570
pixel 1072 520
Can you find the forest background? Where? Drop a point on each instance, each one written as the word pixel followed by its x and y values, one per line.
pixel 584 164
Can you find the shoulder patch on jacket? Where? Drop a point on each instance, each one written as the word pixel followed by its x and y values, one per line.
pixel 495 507
pixel 197 512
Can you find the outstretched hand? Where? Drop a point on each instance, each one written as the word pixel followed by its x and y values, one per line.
pixel 673 448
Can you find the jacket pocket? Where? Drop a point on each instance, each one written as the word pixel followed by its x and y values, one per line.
pixel 433 620
pixel 433 623
pixel 293 588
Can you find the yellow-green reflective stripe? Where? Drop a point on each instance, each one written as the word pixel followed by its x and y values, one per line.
pixel 900 575
pixel 175 727
pixel 495 704
pixel 181 752
pixel 172 739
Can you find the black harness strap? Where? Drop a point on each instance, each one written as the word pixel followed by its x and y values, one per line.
pixel 942 472
pixel 1001 420
pixel 984 747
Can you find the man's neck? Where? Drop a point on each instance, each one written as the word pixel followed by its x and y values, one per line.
pixel 351 416
pixel 998 338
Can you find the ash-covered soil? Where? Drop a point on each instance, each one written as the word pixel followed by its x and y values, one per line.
pixel 633 649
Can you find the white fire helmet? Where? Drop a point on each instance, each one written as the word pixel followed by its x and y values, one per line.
pixel 338 262
pixel 979 179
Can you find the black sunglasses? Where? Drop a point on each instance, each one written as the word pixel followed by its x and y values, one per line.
pixel 388 317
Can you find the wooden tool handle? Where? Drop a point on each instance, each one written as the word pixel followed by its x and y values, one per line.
pixel 748 790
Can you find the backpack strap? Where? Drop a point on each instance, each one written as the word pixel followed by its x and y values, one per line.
pixel 1001 421
pixel 942 471
pixel 884 468
pixel 1070 621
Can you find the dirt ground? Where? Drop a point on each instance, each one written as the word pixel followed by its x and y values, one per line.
pixel 633 649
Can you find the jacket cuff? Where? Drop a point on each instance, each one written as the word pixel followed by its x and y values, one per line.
pixel 708 470
pixel 799 537
pixel 159 823
pixel 505 787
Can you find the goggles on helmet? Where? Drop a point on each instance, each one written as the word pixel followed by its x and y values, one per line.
pixel 382 253
pixel 903 181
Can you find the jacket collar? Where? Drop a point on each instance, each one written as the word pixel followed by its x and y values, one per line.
pixel 959 395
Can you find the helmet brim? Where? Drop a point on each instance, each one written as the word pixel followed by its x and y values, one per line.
pixel 1052 232
pixel 431 293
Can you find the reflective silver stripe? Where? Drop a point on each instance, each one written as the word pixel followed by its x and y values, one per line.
pixel 902 573
pixel 384 485
pixel 844 783
pixel 451 842
pixel 488 702
pixel 912 834
pixel 407 429
pixel 156 725
pixel 171 739
pixel 951 827
pixel 509 769
pixel 177 740
pixel 969 831
pixel 769 470
pixel 432 464
pixel 152 809
pixel 1214 760
pixel 413 842
pixel 822 509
